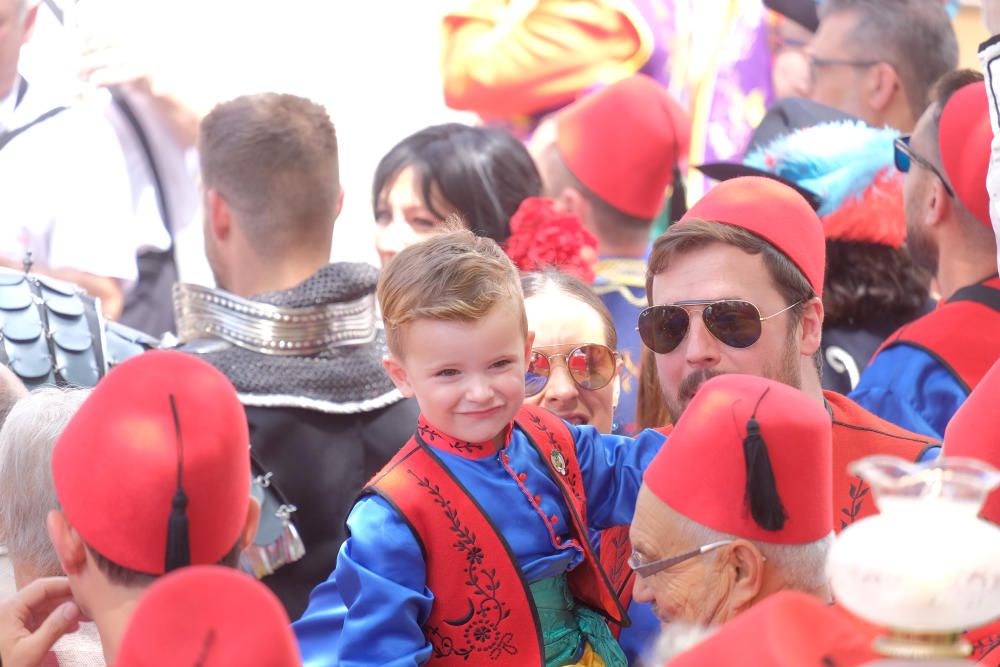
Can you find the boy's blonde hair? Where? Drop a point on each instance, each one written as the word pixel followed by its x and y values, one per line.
pixel 455 276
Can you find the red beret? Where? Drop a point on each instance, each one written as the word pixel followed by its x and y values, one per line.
pixel 974 431
pixel 706 470
pixel 623 141
pixel 965 137
pixel 776 213
pixel 787 629
pixel 117 463
pixel 211 616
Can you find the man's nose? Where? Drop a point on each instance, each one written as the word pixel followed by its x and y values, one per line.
pixel 701 349
pixel 641 591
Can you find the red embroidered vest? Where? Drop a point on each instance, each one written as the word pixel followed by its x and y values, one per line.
pixel 961 334
pixel 483 609
pixel 615 550
pixel 858 433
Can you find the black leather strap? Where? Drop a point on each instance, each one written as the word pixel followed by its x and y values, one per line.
pixel 979 293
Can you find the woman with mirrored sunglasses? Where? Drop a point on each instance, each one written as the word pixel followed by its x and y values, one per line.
pixel 574 370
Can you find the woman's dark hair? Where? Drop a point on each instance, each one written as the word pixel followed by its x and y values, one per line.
pixel 485 173
pixel 869 283
pixel 550 279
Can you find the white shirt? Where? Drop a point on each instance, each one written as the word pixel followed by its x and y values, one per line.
pixel 65 194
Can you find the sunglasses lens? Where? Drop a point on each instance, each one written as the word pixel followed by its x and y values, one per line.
pixel 537 375
pixel 735 323
pixel 901 159
pixel 592 366
pixel 662 328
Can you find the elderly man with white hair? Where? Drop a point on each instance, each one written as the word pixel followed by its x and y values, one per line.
pixel 27 494
pixel 737 506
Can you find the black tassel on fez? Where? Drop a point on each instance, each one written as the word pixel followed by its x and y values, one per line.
pixel 761 496
pixel 178 547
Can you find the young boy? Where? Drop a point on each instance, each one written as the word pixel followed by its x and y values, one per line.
pixel 470 546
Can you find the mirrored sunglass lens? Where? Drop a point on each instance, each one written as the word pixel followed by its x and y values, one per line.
pixel 902 160
pixel 662 328
pixel 537 374
pixel 735 323
pixel 591 366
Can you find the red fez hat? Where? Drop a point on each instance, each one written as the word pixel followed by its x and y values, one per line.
pixel 974 431
pixel 750 457
pixel 211 616
pixel 964 137
pixel 776 213
pixel 623 143
pixel 160 447
pixel 787 629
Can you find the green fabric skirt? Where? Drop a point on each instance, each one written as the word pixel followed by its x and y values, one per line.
pixel 566 626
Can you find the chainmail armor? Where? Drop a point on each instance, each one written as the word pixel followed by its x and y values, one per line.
pixel 338 379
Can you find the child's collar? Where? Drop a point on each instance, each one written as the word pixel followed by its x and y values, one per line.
pixel 433 437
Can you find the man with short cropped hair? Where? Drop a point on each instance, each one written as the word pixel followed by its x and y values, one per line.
pixel 877 59
pixel 926 369
pixel 297 335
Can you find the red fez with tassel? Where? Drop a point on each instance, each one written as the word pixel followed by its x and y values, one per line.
pixel 153 470
pixel 750 457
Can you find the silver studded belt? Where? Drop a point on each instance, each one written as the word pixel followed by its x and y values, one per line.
pixel 203 312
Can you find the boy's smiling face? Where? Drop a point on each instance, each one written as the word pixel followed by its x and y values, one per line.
pixel 467 377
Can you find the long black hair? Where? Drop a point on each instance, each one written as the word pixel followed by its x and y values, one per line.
pixel 485 173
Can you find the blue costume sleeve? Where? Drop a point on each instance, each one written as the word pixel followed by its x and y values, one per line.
pixel 612 467
pixel 371 609
pixel 908 387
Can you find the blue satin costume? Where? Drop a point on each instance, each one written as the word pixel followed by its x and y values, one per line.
pixel 371 609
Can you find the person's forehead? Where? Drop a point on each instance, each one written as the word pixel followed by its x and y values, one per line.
pixel 714 271
pixel 558 318
pixel 833 37
pixel 654 530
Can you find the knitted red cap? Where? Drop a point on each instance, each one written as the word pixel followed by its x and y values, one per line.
pixel 211 616
pixel 964 137
pixel 623 141
pixel 705 470
pixel 776 213
pixel 118 464
pixel 787 629
pixel 974 431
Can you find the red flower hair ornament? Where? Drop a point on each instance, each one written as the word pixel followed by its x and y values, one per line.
pixel 542 236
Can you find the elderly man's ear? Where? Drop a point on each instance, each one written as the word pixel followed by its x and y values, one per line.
pixel 743 567
pixel 69 546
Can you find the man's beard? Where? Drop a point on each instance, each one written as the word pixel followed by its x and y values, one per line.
pixel 787 371
pixel 923 250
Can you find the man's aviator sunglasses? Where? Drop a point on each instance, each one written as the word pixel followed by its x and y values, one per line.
pixel 735 322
